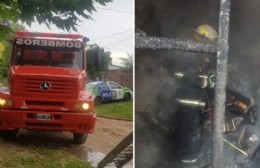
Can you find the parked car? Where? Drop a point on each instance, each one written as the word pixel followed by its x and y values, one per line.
pixel 105 91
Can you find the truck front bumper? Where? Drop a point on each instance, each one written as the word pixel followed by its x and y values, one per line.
pixel 59 121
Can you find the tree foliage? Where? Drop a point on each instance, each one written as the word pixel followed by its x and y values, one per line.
pixel 93 54
pixel 127 62
pixel 64 14
pixel 5 58
pixel 2 49
pixel 8 13
pixel 9 10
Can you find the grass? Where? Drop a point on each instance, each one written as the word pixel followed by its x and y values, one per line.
pixel 122 110
pixel 3 80
pixel 39 157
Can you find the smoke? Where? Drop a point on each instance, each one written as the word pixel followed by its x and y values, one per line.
pixel 244 50
pixel 155 88
pixel 146 155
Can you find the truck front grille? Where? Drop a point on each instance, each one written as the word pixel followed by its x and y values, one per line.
pixel 31 86
pixel 44 103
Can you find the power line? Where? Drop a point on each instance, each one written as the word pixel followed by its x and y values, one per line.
pixel 115 34
pixel 104 33
pixel 114 10
pixel 117 41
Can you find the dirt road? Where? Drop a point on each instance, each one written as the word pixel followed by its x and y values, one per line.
pixel 108 133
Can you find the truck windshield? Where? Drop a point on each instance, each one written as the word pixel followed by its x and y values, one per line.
pixel 57 57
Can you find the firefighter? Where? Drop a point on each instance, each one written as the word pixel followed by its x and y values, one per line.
pixel 190 97
pixel 205 33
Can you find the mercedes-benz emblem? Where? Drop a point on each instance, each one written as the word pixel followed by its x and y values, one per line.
pixel 45 85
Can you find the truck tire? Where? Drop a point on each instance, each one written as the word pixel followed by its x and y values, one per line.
pixel 79 138
pixel 127 96
pixel 98 100
pixel 8 134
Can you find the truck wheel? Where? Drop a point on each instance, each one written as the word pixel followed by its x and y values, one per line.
pixel 98 100
pixel 127 96
pixel 79 138
pixel 8 134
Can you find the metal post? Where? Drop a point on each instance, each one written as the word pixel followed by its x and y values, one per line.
pixel 163 43
pixel 221 80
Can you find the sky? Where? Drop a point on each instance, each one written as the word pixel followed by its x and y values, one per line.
pixel 112 28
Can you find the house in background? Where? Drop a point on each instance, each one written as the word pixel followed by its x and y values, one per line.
pixel 118 74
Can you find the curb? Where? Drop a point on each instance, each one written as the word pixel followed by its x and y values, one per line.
pixel 114 118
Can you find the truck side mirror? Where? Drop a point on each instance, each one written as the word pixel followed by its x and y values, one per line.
pixel 85 40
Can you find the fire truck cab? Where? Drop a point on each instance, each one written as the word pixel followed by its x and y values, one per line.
pixel 46 90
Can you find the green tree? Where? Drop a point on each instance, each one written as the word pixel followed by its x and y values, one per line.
pixel 62 13
pixel 5 58
pixel 8 13
pixel 127 62
pixel 97 60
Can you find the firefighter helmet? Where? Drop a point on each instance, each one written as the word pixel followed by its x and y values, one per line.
pixel 205 33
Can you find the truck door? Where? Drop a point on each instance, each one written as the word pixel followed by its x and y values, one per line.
pixel 105 91
pixel 117 91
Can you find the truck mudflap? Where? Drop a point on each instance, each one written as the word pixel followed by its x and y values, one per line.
pixel 47 121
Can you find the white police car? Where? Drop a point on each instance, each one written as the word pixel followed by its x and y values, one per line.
pixel 105 91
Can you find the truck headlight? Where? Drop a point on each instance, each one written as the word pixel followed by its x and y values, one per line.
pixel 85 106
pixel 6 102
pixel 2 102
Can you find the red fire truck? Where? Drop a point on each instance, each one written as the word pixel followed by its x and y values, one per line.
pixel 46 90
